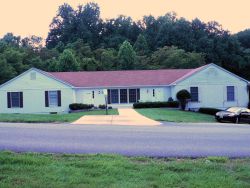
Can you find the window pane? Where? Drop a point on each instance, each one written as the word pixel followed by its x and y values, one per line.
pixel 15 99
pixel 53 99
pixel 132 96
pixel 114 96
pixel 123 96
pixel 194 94
pixel 230 93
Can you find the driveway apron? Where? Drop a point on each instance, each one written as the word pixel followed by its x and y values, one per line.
pixel 126 117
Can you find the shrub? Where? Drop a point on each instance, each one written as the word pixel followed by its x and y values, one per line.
pixel 211 111
pixel 169 104
pixel 80 106
pixel 102 106
pixel 183 96
pixel 170 99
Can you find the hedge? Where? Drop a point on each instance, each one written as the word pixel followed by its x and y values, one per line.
pixel 210 111
pixel 80 106
pixel 169 104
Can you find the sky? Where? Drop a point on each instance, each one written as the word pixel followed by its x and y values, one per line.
pixel 32 17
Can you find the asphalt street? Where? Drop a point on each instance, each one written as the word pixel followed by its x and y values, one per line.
pixel 168 140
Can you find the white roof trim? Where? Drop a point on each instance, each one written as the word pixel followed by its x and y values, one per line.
pixel 37 70
pixel 205 67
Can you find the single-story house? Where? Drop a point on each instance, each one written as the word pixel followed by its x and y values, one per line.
pixel 37 91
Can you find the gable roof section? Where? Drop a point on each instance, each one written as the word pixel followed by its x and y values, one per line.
pixel 123 78
pixel 39 71
pixel 205 67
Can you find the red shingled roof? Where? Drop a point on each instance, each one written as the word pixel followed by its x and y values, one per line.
pixel 123 78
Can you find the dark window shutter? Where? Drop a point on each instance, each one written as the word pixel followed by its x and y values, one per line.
pixel 109 102
pixel 8 100
pixel 21 99
pixel 46 99
pixel 59 102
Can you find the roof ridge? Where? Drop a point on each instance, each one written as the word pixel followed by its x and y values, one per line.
pixel 123 70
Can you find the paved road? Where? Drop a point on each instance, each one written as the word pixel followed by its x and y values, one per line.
pixel 171 140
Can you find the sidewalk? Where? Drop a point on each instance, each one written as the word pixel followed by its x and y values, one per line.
pixel 127 116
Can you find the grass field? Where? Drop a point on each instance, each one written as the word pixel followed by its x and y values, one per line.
pixel 163 114
pixel 46 118
pixel 47 170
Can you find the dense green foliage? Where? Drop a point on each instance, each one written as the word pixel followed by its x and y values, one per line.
pixel 80 106
pixel 183 95
pixel 172 115
pixel 80 40
pixel 61 170
pixel 168 104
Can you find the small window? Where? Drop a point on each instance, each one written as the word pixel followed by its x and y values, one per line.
pixel 132 96
pixel 194 91
pixel 53 98
pixel 93 94
pixel 123 96
pixel 153 92
pixel 114 96
pixel 15 99
pixel 230 93
pixel 33 75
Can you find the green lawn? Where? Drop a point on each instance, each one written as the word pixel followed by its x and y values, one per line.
pixel 54 170
pixel 45 118
pixel 163 114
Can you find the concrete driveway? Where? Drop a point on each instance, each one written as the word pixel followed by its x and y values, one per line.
pixel 127 116
pixel 171 140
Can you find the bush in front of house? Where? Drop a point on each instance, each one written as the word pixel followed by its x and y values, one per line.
pixel 169 104
pixel 80 106
pixel 102 106
pixel 210 111
pixel 183 95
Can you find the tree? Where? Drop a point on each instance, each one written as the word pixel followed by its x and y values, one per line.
pixel 172 57
pixel 126 56
pixel 6 72
pixel 183 96
pixel 141 46
pixel 67 61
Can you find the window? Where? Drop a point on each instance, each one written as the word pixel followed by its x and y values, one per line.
pixel 194 91
pixel 52 98
pixel 123 96
pixel 230 93
pixel 93 94
pixel 153 92
pixel 132 96
pixel 15 99
pixel 114 96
